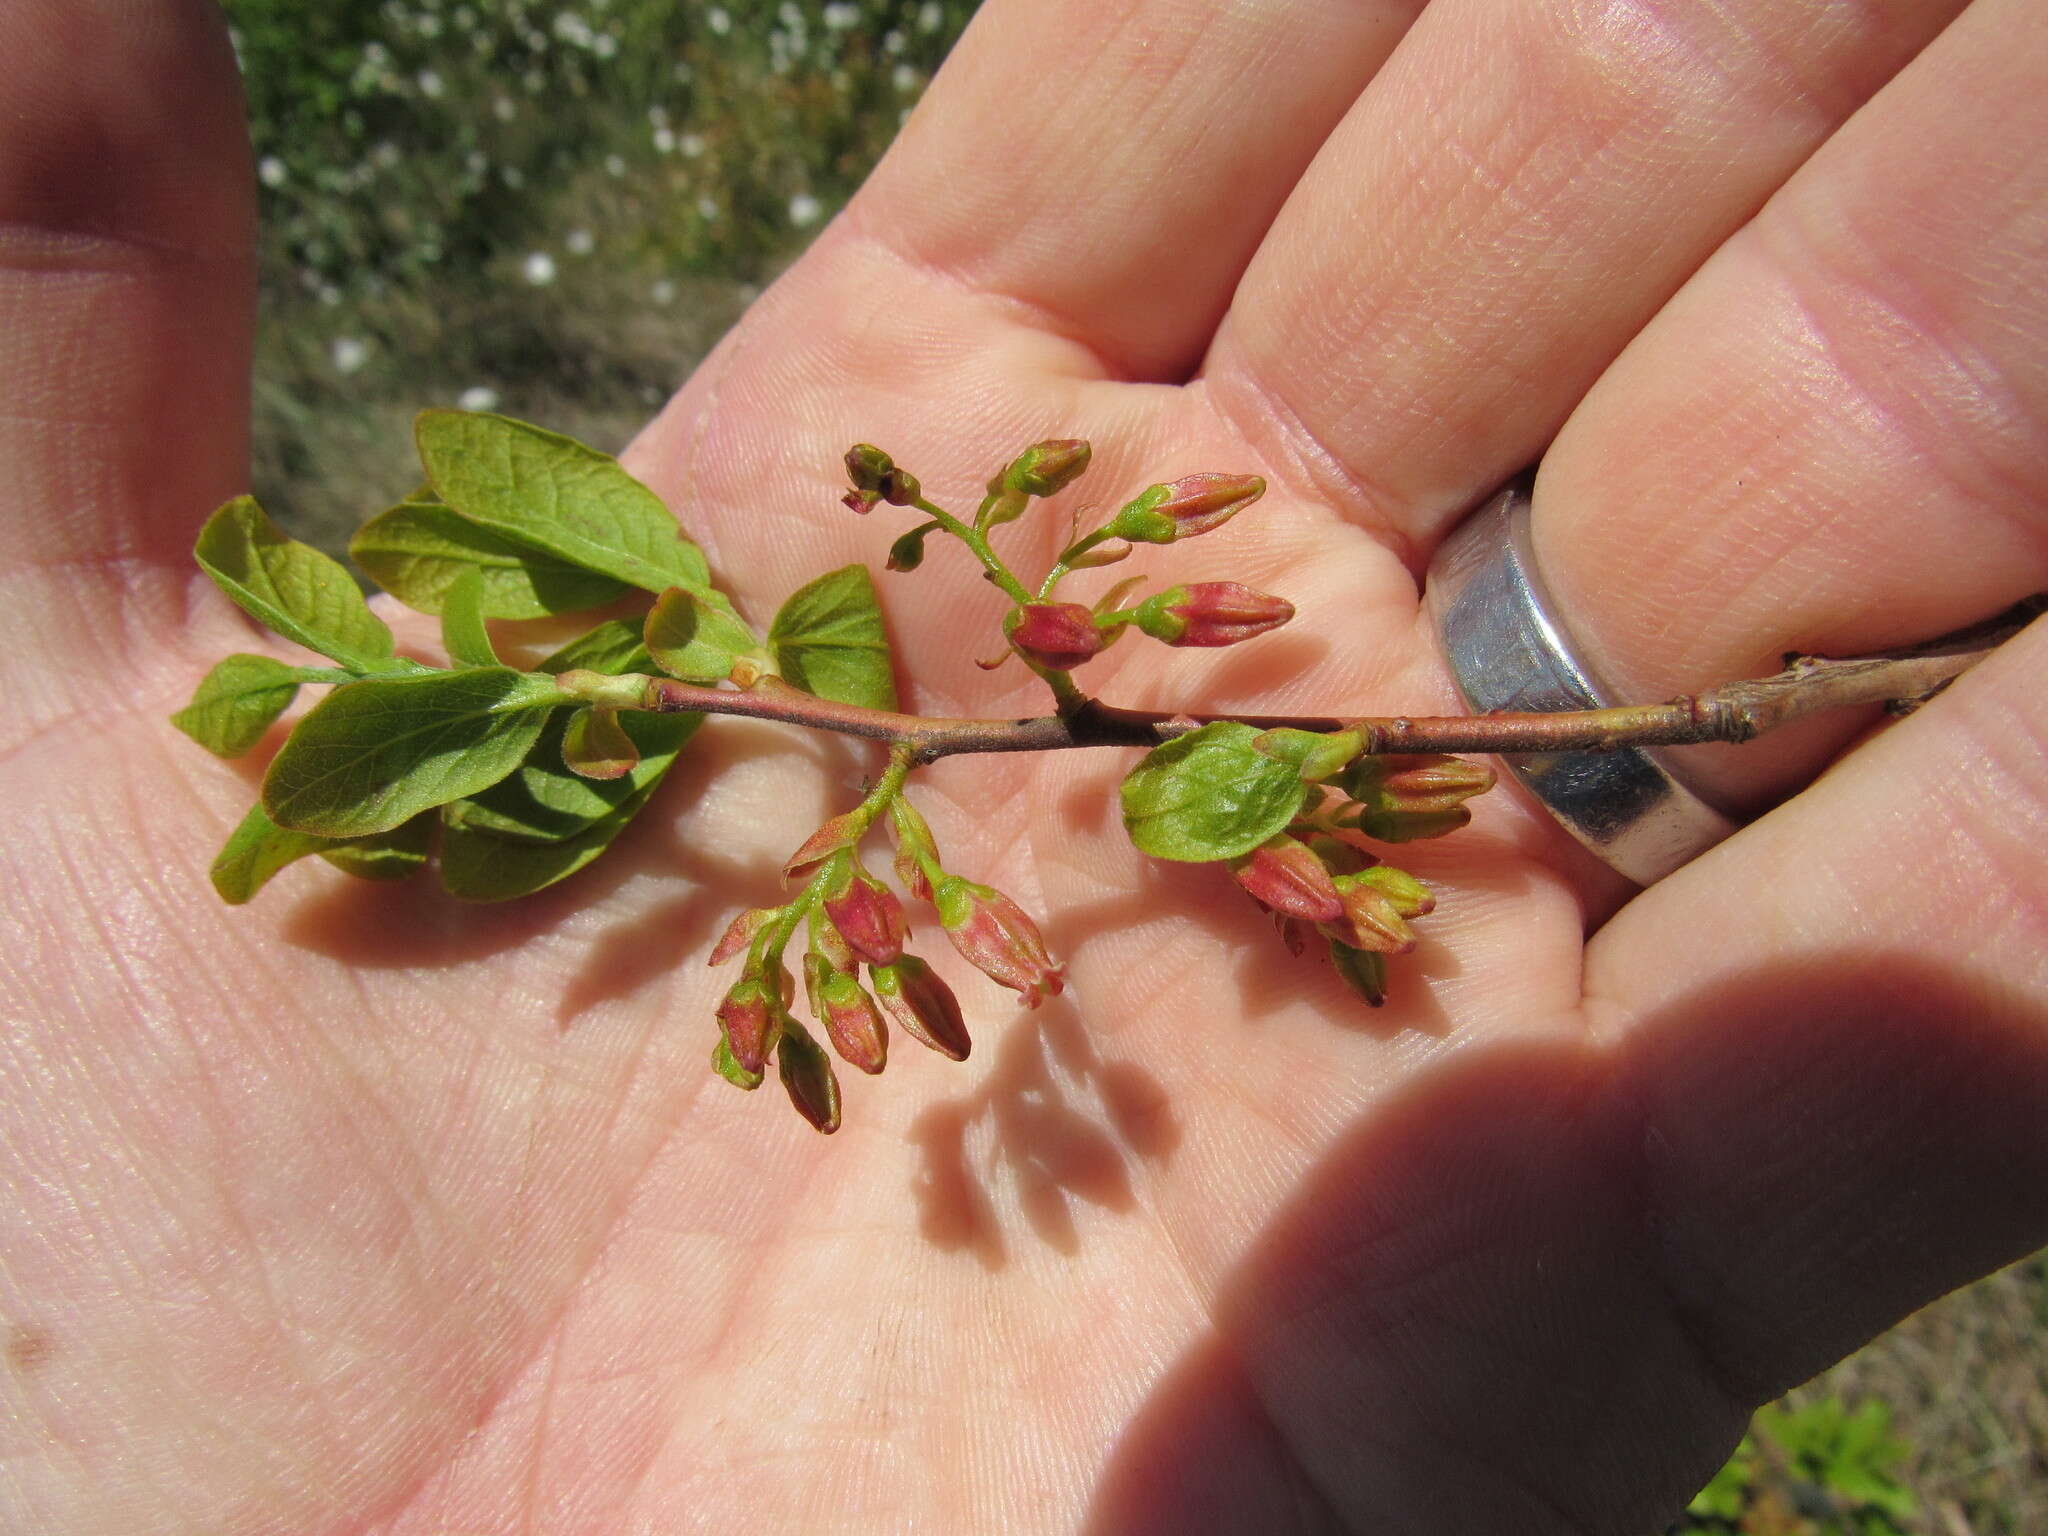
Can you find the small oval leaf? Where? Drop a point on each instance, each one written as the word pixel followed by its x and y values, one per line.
pixel 237 702
pixel 291 588
pixel 695 635
pixel 418 549
pixel 829 640
pixel 376 753
pixel 1209 795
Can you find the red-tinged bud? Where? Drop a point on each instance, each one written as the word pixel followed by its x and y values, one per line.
pixel 997 938
pixel 867 466
pixel 862 502
pixel 868 917
pixel 850 1019
pixel 1058 636
pixel 1047 468
pixel 808 1078
pixel 1416 782
pixel 741 933
pixel 1284 876
pixel 1211 613
pixel 1294 933
pixel 922 1003
pixel 917 852
pixel 842 831
pixel 747 1016
pixel 829 948
pixel 1371 920
pixel 1364 971
pixel 1411 898
pixel 1185 507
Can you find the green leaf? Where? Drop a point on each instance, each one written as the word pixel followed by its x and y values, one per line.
pixel 238 701
pixel 696 636
pixel 256 850
pixel 477 866
pixel 542 801
pixel 291 587
pixel 462 623
pixel 376 753
pixel 553 494
pixel 595 745
pixel 829 640
pixel 419 549
pixel 1209 795
pixel 384 856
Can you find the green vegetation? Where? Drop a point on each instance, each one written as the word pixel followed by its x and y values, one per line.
pixel 554 208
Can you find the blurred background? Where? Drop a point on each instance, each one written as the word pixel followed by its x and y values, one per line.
pixel 555 209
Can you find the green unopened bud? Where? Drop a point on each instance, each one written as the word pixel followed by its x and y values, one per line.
pixel 1405 781
pixel 1047 468
pixel 1410 826
pixel 1411 898
pixel 1371 920
pixel 907 553
pixel 1364 971
pixel 727 1066
pixel 867 466
pixel 807 1077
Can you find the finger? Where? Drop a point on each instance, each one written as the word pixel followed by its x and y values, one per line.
pixel 126 294
pixel 1514 197
pixel 1835 1031
pixel 1836 439
pixel 1112 167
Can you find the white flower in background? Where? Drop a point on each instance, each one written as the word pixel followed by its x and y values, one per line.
pixel 906 79
pixel 270 171
pixel 657 115
pixel 539 269
pixel 893 41
pixel 512 176
pixel 841 15
pixel 580 242
pixel 431 85
pixel 663 292
pixel 604 45
pixel 504 109
pixel 375 53
pixel 665 140
pixel 707 208
pixel 804 210
pixel 717 20
pixel 329 294
pixel 478 397
pixel 615 165
pixel 349 353
pixel 930 16
pixel 792 16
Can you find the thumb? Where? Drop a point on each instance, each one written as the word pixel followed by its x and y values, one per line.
pixel 126 301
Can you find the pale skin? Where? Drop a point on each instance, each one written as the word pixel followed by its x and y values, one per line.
pixel 360 1211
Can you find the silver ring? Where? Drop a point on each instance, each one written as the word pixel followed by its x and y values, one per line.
pixel 1509 650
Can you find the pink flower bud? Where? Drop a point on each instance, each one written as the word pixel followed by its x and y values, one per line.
pixel 869 917
pixel 1211 613
pixel 996 937
pixel 1185 507
pixel 1058 636
pixel 1047 468
pixel 1414 782
pixel 850 1019
pixel 1286 877
pixel 918 1000
pixel 746 1015
pixel 1371 920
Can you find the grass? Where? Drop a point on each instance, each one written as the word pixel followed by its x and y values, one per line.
pixel 471 202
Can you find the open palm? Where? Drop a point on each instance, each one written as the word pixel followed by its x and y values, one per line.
pixel 361 1210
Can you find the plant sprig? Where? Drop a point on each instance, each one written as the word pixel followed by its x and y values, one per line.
pixel 512 779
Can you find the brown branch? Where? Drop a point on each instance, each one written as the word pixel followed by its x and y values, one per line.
pixel 1734 712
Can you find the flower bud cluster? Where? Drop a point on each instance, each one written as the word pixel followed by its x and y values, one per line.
pixel 858 978
pixel 1316 881
pixel 876 478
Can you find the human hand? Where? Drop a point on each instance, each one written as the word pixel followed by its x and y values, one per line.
pixel 358 1210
